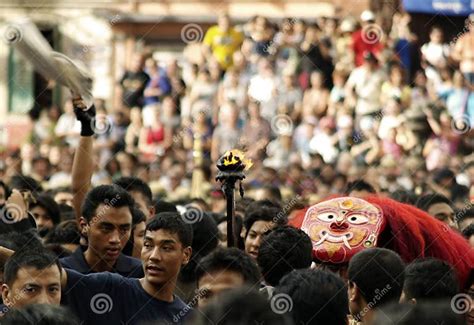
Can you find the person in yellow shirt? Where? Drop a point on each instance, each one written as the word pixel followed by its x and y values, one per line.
pixel 221 41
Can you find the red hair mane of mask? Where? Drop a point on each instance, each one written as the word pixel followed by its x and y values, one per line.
pixel 413 233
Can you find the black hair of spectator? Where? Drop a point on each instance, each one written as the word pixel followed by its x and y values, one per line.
pixel 242 203
pixel 52 209
pixel 18 240
pixel 109 195
pixel 425 201
pixel 135 184
pixel 22 182
pixel 283 250
pixel 429 312
pixel 38 258
pixel 459 193
pixel 201 203
pixel 172 222
pixel 241 306
pixel 40 314
pixel 5 188
pixel 404 196
pixel 318 297
pixel 205 240
pixel 58 250
pixel 229 259
pixel 264 210
pixel 164 206
pixel 443 173
pixel 468 231
pixel 376 270
pixel 430 278
pixel 66 212
pixel 359 185
pixel 65 232
pixel 274 193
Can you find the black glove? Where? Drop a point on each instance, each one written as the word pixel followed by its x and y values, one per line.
pixel 87 118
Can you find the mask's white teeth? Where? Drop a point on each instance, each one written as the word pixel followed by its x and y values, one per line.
pixel 346 242
pixel 323 239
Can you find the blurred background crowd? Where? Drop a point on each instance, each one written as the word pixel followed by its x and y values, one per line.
pixel 321 107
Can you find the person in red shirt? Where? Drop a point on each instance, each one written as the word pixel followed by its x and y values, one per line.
pixel 367 38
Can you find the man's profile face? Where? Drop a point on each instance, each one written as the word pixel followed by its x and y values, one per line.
pixel 254 236
pixel 162 256
pixel 214 283
pixel 442 212
pixel 42 218
pixel 33 286
pixel 109 231
pixel 142 203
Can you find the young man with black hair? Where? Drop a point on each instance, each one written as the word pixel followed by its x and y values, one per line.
pixel 31 276
pixel 438 206
pixel 317 297
pixel 429 278
pixel 224 269
pixel 141 193
pixel 108 298
pixel 260 217
pixel 375 277
pixel 283 250
pixel 107 222
pixel 46 213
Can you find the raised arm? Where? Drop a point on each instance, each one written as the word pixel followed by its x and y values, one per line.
pixel 83 165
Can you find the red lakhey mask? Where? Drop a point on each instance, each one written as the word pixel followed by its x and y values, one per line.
pixel 342 227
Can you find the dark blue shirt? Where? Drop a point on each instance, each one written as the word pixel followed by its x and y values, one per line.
pixel 108 298
pixel 127 266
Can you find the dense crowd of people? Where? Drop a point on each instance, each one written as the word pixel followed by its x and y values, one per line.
pixel 114 213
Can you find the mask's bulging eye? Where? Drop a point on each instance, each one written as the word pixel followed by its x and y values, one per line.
pixel 327 216
pixel 357 219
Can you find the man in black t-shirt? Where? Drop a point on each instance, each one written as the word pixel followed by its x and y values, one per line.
pixel 133 83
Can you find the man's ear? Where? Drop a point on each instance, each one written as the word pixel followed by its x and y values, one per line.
pixel 5 295
pixel 84 226
pixel 353 291
pixel 188 251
